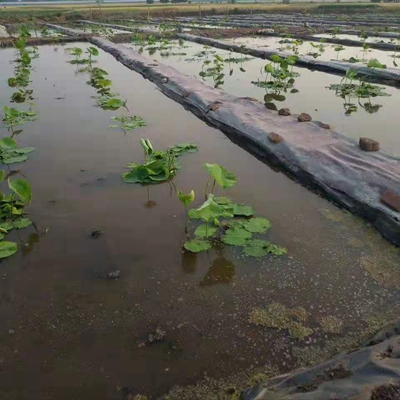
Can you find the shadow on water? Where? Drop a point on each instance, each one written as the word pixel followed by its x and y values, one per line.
pixel 221 271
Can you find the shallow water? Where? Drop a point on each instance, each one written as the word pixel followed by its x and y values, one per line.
pixel 313 97
pixel 68 333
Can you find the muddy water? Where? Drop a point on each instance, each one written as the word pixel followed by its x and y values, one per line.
pixel 326 53
pixel 313 96
pixel 67 332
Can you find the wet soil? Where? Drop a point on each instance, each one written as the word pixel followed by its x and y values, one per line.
pixel 165 318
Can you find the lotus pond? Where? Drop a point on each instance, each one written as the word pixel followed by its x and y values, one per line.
pixel 102 301
pixel 321 50
pixel 362 114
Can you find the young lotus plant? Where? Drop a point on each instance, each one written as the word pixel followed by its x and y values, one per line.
pixel 220 175
pixel 147 148
pixel 159 166
pixel 231 224
pixel 338 49
pixel 91 52
pixel 77 53
pixel 186 200
pixel 210 212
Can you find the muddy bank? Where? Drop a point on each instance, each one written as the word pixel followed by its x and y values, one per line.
pixel 322 158
pixel 389 76
pixel 344 42
pixel 372 372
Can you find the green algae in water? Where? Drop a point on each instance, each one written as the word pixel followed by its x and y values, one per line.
pixel 315 354
pixel 379 258
pixel 276 315
pixel 299 331
pixel 299 313
pixel 331 324
pixel 223 389
pixel 333 215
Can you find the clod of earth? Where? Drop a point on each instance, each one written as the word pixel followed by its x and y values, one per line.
pixel 284 111
pixel 390 199
pixel 275 138
pixel 157 336
pixel 114 274
pixel 369 144
pixel 303 117
pixel 96 234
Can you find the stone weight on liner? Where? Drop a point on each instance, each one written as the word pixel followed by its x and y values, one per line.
pixel 284 111
pixel 275 138
pixel 303 117
pixel 369 144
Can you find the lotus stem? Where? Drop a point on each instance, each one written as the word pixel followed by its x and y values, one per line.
pixel 205 190
pixel 213 187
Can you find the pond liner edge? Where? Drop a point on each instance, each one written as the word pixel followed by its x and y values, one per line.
pixel 334 164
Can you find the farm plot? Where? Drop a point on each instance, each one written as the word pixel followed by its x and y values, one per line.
pixel 321 50
pixel 107 280
pixel 354 110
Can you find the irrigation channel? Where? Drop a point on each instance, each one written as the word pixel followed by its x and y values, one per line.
pixel 102 301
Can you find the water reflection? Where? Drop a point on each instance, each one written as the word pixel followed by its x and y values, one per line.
pixel 188 262
pixel 221 271
pixel 149 203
